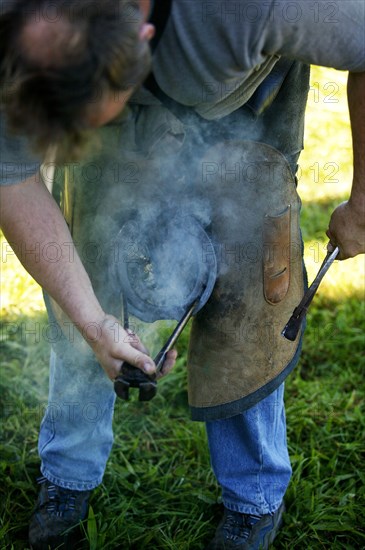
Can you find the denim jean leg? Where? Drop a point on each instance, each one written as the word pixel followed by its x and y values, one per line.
pixel 76 432
pixel 250 458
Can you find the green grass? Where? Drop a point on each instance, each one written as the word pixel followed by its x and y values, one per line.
pixel 159 491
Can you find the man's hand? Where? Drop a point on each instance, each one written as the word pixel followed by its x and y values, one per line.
pixel 112 345
pixel 347 230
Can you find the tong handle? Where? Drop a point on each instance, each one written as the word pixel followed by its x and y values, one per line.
pixel 291 329
pixel 131 377
pixel 161 356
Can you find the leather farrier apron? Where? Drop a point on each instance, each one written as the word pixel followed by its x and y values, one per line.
pixel 236 341
pixel 243 193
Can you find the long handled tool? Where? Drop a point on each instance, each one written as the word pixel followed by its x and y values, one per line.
pixel 131 377
pixel 292 327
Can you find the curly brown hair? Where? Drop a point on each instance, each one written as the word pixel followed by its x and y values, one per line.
pixel 87 48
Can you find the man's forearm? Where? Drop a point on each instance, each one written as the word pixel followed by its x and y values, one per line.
pixel 34 227
pixel 347 223
pixel 33 223
pixel 356 101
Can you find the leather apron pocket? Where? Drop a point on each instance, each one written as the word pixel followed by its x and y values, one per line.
pixel 276 256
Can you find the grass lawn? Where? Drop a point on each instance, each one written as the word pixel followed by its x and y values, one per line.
pixel 158 491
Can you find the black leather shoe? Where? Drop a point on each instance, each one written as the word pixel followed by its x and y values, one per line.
pixel 56 518
pixel 246 532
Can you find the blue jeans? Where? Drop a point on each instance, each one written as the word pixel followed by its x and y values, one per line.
pixel 248 451
pixel 76 434
pixel 249 456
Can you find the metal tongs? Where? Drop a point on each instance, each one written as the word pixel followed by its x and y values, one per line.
pixel 292 327
pixel 131 377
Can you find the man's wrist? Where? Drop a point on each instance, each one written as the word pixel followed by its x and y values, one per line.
pixel 356 203
pixel 91 325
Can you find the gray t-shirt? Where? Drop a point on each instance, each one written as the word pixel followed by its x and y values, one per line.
pixel 213 55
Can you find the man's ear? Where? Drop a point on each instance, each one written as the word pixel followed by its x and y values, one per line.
pixel 147 31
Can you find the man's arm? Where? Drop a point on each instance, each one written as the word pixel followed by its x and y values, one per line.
pixel 31 219
pixel 347 223
pixel 330 34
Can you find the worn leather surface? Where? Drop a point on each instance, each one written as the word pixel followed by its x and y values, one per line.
pixel 276 261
